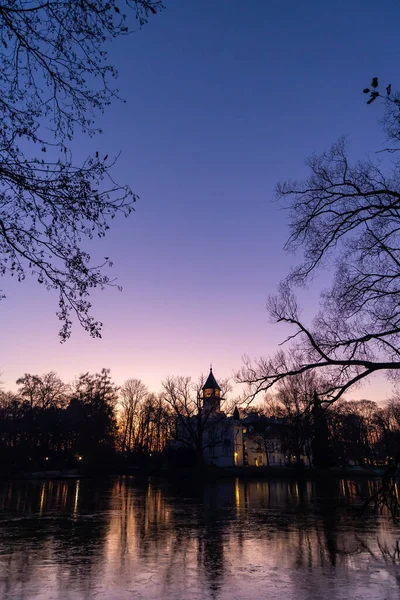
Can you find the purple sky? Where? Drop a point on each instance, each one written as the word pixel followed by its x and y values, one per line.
pixel 224 98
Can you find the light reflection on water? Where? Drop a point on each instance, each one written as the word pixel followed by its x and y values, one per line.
pixel 120 539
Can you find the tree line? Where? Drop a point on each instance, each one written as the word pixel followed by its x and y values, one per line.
pixel 48 424
pixel 94 425
pixel 346 433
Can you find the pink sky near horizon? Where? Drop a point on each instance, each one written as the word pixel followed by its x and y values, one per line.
pixel 222 101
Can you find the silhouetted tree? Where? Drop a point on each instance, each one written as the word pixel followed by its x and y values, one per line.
pixel 43 391
pixel 162 423
pixel 196 427
pixel 321 445
pixel 152 426
pixel 91 417
pixel 98 386
pixel 54 76
pixel 292 401
pixel 132 393
pixel 388 419
pixel 348 214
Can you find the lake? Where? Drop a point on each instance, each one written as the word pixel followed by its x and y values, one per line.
pixel 232 539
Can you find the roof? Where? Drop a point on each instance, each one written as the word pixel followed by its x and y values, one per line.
pixel 211 382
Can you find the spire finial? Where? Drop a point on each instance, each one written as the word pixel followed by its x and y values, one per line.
pixel 210 367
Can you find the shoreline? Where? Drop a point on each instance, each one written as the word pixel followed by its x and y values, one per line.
pixel 206 473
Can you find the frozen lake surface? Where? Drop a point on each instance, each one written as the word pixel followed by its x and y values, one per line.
pixel 228 540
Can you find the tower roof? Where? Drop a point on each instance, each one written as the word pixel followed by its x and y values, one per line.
pixel 211 382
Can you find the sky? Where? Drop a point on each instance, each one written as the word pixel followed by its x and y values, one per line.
pixel 224 98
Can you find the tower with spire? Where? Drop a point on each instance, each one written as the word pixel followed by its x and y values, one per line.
pixel 211 395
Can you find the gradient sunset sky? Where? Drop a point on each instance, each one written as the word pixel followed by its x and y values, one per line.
pixel 224 98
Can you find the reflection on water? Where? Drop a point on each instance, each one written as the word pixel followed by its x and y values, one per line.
pixel 231 539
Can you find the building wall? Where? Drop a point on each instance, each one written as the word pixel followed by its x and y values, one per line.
pixel 257 457
pixel 229 443
pixel 228 450
pixel 238 444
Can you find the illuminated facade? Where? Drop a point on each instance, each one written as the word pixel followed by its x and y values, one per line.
pixel 223 441
pixel 262 441
pixel 246 440
pixel 233 441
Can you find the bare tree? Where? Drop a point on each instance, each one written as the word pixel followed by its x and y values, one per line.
pixel 144 419
pixel 132 393
pixel 97 387
pixel 346 216
pixel 295 396
pixel 54 76
pixel 43 391
pixel 394 410
pixel 196 426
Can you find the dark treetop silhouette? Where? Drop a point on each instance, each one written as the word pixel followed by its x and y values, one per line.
pixel 54 76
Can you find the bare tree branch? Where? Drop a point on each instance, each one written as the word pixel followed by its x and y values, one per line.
pixel 54 78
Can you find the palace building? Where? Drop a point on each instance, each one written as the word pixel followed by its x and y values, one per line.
pixel 228 441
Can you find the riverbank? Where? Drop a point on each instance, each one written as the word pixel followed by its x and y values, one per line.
pixel 208 473
pixel 276 472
